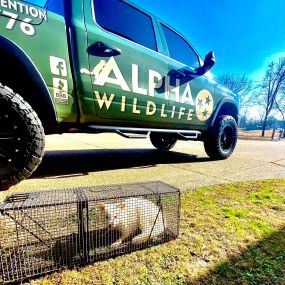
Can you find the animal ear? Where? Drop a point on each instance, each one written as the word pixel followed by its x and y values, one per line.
pixel 102 206
pixel 122 205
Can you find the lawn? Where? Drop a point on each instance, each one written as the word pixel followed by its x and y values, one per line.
pixel 230 234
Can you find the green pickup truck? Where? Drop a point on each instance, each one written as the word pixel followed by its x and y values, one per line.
pixel 102 66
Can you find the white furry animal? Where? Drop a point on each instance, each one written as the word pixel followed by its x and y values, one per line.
pixel 131 215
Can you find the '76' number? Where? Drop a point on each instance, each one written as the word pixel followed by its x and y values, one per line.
pixel 26 28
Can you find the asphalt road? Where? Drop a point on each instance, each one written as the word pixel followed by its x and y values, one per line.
pixel 80 159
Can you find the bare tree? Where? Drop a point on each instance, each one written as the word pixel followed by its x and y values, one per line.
pixel 241 85
pixel 273 83
pixel 280 107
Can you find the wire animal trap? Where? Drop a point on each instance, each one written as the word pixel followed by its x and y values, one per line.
pixel 46 230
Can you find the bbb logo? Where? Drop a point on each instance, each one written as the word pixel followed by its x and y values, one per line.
pixel 58 66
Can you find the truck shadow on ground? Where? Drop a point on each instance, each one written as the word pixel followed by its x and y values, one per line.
pixel 260 263
pixel 80 162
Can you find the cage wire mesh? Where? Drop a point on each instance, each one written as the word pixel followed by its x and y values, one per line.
pixel 44 231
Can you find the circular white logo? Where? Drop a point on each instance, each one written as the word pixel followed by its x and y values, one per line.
pixel 204 105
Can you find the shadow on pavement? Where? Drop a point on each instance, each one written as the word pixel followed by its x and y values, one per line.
pixel 260 263
pixel 80 162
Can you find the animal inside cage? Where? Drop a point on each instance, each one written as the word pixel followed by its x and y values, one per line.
pixel 44 231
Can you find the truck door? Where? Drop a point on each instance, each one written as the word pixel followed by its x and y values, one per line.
pixel 191 98
pixel 124 63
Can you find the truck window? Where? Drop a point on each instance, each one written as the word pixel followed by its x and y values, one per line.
pixel 126 21
pixel 179 49
pixel 56 6
pixel 40 3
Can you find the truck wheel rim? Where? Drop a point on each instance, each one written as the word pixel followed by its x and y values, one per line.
pixel 227 139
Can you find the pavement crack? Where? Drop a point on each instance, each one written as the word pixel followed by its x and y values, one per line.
pixel 276 163
pixel 200 172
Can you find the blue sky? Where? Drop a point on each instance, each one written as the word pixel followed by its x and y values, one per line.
pixel 245 34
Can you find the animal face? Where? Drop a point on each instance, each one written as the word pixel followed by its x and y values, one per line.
pixel 114 213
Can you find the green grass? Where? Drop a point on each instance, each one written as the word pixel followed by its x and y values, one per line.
pixel 234 212
pixel 230 234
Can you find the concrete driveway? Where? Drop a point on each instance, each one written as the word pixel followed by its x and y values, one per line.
pixel 81 159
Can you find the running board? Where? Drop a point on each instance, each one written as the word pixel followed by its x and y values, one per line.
pixel 187 137
pixel 128 136
pixel 181 134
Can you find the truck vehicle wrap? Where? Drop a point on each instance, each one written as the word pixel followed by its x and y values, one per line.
pixel 95 66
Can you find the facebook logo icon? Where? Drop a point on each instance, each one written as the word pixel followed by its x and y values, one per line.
pixel 58 66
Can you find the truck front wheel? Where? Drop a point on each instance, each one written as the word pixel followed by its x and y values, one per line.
pixel 221 139
pixel 22 139
pixel 163 141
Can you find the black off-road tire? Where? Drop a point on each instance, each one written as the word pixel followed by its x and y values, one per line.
pixel 221 139
pixel 163 142
pixel 22 139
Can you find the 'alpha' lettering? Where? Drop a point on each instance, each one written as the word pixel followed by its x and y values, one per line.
pixel 104 76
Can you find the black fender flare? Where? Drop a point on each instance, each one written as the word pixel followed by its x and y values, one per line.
pixel 14 50
pixel 222 103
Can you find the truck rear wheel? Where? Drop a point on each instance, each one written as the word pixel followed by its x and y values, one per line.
pixel 22 139
pixel 163 141
pixel 221 139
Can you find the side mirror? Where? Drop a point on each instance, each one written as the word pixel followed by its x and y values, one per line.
pixel 209 62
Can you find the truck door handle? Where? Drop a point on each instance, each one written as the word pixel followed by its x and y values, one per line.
pixel 102 49
pixel 178 73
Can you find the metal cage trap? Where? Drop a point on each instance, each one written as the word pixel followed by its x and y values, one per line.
pixel 44 231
